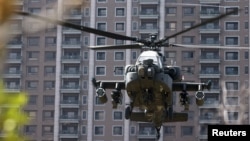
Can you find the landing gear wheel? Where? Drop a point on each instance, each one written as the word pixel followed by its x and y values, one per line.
pixel 128 112
pixel 158 135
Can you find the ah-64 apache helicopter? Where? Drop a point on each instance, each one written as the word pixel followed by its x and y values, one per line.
pixel 148 83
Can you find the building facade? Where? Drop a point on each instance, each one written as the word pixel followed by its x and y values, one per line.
pixel 55 67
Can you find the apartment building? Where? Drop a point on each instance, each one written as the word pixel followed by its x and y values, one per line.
pixel 55 67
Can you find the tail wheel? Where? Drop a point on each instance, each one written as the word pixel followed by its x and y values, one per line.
pixel 128 112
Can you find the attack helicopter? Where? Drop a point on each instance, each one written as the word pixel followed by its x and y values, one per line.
pixel 148 83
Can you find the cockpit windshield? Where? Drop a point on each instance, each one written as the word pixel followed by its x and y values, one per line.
pixel 156 60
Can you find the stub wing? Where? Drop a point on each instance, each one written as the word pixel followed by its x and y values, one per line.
pixel 177 117
pixel 190 86
pixel 109 84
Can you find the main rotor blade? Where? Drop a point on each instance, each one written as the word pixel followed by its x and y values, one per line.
pixel 78 27
pixel 197 25
pixel 208 47
pixel 104 47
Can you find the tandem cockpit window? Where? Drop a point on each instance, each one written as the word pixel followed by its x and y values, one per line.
pixel 156 60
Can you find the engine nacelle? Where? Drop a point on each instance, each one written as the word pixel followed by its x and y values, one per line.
pixel 101 94
pixel 199 95
pixel 174 72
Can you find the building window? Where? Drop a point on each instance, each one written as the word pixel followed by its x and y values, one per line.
pixel 48 85
pixel 85 70
pixel 30 129
pixel 100 70
pixel 48 100
pixel 188 11
pixel 33 55
pixel 86 55
pixel 134 26
pixel 84 130
pixel 100 40
pixel 47 129
pixel 232 101
pixel 119 42
pixel 169 130
pixel 231 70
pixel 171 26
pixel 117 130
pixel 100 56
pixel 236 9
pixel 35 10
pixel 99 130
pixel 232 86
pixel 188 69
pixel 32 70
pixel 186 130
pixel 119 71
pixel 246 24
pixel 32 84
pixel 232 26
pixel 85 85
pixel 171 11
pixel 32 100
pixel 102 26
pixel 132 130
pixel 232 56
pixel 99 115
pixel 246 69
pixel 120 12
pixel 31 114
pixel 49 70
pixel 84 100
pixel 50 56
pixel 33 41
pixel 48 114
pixel 84 115
pixel 117 115
pixel 50 41
pixel 119 56
pixel 187 55
pixel 97 101
pixel 188 39
pixel 119 27
pixel 232 115
pixel 186 25
pixel 134 55
pixel 101 12
pixel 246 40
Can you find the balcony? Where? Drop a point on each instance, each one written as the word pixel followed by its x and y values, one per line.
pixel 71 59
pixel 14 59
pixel 210 42
pixel 18 2
pixel 68 134
pixel 73 15
pixel 210 1
pixel 207 29
pixel 71 74
pixel 67 30
pixel 15 44
pixel 209 59
pixel 12 88
pixel 71 44
pixel 209 74
pixel 70 89
pixel 148 29
pixel 69 118
pixel 149 1
pixel 210 120
pixel 210 104
pixel 205 14
pixel 12 74
pixel 69 104
pixel 149 15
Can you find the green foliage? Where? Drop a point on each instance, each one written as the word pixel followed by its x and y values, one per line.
pixel 12 117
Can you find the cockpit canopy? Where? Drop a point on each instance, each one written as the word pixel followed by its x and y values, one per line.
pixel 150 55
